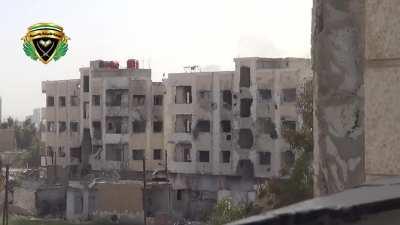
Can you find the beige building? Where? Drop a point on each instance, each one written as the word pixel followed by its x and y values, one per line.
pixel 217 133
pixel 106 120
pixel 228 123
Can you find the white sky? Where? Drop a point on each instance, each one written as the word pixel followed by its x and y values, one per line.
pixel 166 34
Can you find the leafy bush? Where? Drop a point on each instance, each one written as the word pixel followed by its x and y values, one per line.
pixel 226 211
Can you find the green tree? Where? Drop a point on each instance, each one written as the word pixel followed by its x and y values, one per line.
pixel 226 211
pixel 27 138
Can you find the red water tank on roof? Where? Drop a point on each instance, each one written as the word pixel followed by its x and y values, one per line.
pixel 130 64
pixel 114 65
pixel 137 64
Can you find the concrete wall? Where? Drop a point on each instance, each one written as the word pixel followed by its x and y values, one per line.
pixel 51 201
pixel 382 87
pixel 193 196
pixel 116 199
pixel 355 54
pixel 337 54
pixel 121 198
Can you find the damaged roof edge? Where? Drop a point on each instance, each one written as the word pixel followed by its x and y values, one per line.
pixel 349 205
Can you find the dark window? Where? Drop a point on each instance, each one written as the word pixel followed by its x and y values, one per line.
pixel 74 126
pixel 50 151
pixel 113 152
pixel 264 158
pixel 117 124
pixel 157 154
pixel 50 101
pixel 226 126
pixel 114 96
pixel 138 154
pixel 245 76
pixel 74 100
pixel 75 153
pixel 265 94
pixel 85 83
pixel 62 126
pixel 96 100
pixel 226 156
pixel 157 126
pixel 289 95
pixel 288 158
pixel 204 156
pixel 61 151
pixel 179 195
pixel 138 100
pixel 138 126
pixel 186 155
pixel 86 110
pixel 158 100
pixel 61 101
pixel 227 98
pixel 266 125
pixel 289 124
pixel 97 130
pixel 182 152
pixel 245 107
pixel 203 125
pixel 51 126
pixel 245 138
pixel 228 137
pixel 183 95
pixel 183 123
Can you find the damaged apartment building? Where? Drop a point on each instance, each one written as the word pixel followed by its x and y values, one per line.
pixel 210 135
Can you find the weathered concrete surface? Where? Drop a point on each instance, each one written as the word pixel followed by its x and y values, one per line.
pixel 382 30
pixel 337 55
pixel 382 88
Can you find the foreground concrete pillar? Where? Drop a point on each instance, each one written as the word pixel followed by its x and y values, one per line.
pixel 337 58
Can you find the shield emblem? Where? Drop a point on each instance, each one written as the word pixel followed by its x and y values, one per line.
pixel 45 41
pixel 45 47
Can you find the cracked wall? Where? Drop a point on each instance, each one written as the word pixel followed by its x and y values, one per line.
pixel 337 57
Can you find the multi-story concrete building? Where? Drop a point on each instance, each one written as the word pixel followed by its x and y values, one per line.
pixel 228 123
pixel 106 120
pixel 223 129
pixel 217 133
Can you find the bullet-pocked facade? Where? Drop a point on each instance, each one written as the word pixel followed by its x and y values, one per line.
pixel 214 134
pixel 106 120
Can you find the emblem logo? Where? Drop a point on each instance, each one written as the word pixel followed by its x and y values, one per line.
pixel 45 41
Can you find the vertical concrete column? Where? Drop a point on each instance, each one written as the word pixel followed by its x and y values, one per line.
pixel 69 212
pixel 337 61
pixel 85 207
